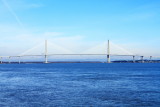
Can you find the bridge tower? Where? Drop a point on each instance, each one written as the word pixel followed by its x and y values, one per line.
pixel 46 59
pixel 108 53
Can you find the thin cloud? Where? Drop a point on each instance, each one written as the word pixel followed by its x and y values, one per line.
pixel 12 12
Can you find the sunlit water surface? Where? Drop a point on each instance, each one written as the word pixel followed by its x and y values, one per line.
pixel 80 85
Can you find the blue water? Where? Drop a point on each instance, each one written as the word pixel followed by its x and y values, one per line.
pixel 80 85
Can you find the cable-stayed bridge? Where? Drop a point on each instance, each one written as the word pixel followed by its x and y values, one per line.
pixel 47 52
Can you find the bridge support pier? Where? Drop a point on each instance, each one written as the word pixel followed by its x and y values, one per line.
pixel 108 58
pixel 9 60
pixel 150 59
pixel 142 60
pixel 1 60
pixel 46 58
pixel 133 59
pixel 19 60
pixel 108 53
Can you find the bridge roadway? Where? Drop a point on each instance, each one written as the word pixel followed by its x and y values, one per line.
pixel 19 56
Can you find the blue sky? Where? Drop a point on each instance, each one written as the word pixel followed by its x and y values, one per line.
pixel 133 24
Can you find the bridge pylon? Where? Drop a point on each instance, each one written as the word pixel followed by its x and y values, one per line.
pixel 46 57
pixel 108 52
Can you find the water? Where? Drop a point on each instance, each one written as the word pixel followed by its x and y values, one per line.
pixel 80 85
